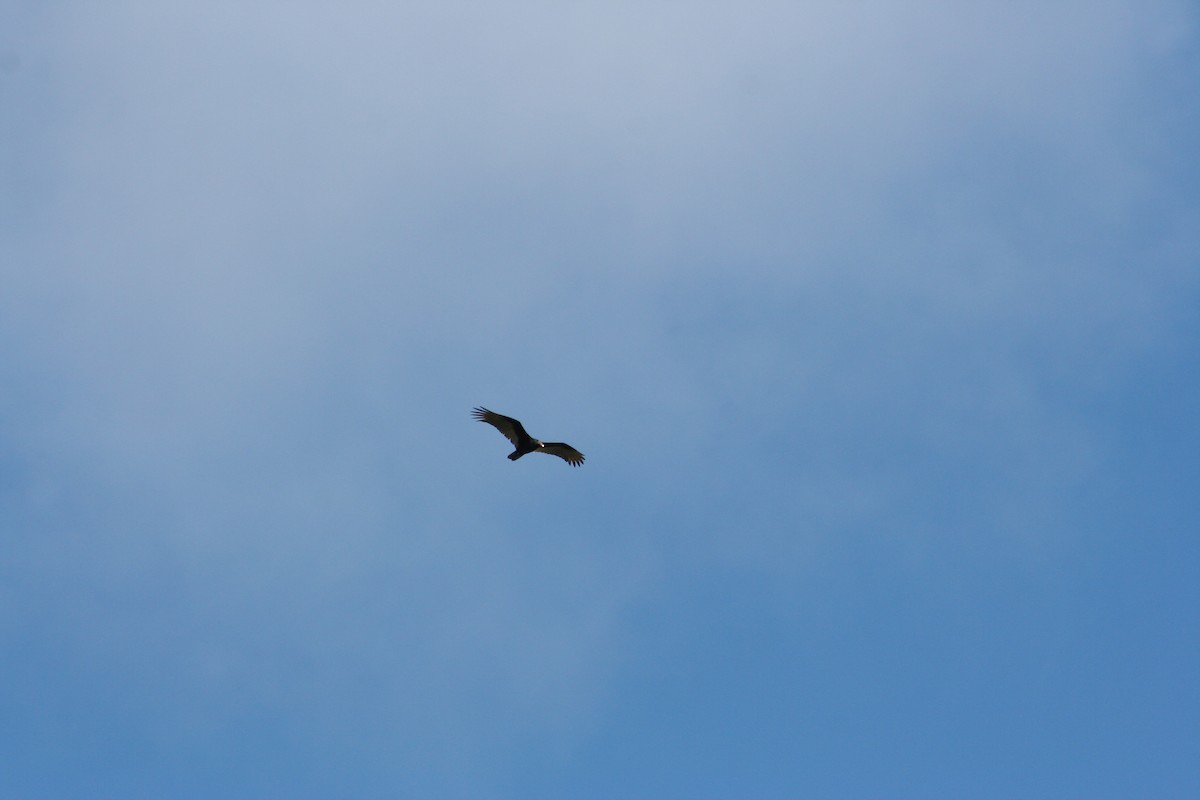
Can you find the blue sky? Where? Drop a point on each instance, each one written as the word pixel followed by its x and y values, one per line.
pixel 876 321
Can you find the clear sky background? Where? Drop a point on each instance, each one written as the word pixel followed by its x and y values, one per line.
pixel 877 322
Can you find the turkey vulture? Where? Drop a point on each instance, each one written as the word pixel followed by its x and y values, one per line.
pixel 515 433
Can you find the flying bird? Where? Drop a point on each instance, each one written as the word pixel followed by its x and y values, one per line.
pixel 515 433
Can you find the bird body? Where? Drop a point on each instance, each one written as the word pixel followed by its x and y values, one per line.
pixel 514 431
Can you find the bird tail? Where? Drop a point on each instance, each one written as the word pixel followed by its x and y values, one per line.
pixel 514 455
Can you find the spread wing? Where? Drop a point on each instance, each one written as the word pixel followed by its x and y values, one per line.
pixel 563 451
pixel 511 428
